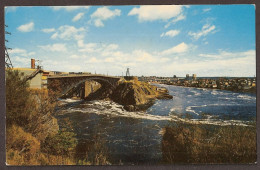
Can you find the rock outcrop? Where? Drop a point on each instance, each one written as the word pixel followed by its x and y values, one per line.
pixel 135 96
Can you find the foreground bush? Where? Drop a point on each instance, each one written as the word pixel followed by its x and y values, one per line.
pixel 29 121
pixel 33 136
pixel 22 148
pixel 185 143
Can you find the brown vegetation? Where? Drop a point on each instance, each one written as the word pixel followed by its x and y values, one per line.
pixel 186 143
pixel 32 132
pixel 92 152
pixel 29 121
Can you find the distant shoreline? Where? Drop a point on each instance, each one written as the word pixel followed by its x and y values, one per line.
pixel 236 91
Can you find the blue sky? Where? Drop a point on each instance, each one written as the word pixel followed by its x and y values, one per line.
pixel 208 40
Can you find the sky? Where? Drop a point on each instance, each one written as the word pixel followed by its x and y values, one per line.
pixel 151 40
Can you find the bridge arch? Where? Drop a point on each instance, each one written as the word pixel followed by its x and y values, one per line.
pixel 69 84
pixel 80 83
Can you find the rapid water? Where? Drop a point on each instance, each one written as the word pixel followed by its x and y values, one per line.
pixel 135 137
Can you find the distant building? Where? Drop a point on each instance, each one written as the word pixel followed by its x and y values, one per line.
pixel 187 76
pixel 194 76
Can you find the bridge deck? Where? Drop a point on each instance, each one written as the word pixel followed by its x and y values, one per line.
pixel 81 75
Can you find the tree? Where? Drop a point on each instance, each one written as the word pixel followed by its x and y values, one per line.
pixel 60 144
pixel 17 97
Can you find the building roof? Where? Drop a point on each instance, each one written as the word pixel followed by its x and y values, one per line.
pixel 23 69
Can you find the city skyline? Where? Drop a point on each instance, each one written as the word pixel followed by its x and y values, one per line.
pixel 208 40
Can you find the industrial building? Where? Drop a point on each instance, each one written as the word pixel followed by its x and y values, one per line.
pixel 36 81
pixel 36 77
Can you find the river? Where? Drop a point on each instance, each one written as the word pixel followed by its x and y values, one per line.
pixel 134 138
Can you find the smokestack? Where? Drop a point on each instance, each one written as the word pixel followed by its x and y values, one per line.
pixel 33 63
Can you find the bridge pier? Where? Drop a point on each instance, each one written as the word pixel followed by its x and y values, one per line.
pixel 91 87
pixel 82 92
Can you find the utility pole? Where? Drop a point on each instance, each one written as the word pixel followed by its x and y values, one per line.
pixel 127 72
pixel 8 63
pixel 39 64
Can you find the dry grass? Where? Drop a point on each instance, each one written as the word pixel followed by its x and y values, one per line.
pixel 184 143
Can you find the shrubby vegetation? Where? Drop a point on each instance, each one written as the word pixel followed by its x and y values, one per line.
pixel 187 143
pixel 33 136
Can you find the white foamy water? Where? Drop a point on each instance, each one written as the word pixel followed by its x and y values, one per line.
pixel 112 109
pixel 212 121
pixel 189 109
pixel 69 100
pixel 63 102
pixel 246 97
pixel 109 108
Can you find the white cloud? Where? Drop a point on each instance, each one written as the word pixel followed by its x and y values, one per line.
pixel 233 64
pixel 102 14
pixel 31 53
pixel 111 47
pixel 74 56
pixel 164 59
pixel 143 56
pixel 109 53
pixel 21 61
pixel 17 51
pixel 26 27
pixel 98 23
pixel 170 33
pixel 158 12
pixel 69 8
pixel 178 18
pixel 54 47
pixel 93 60
pixel 21 57
pixel 88 48
pixel 225 54
pixel 110 60
pixel 48 30
pixel 206 9
pixel 78 17
pixel 206 29
pixel 104 49
pixel 73 67
pixel 180 48
pixel 20 52
pixel 67 32
pixel 10 9
pixel 105 13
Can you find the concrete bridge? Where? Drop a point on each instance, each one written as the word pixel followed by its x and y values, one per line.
pixel 71 83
